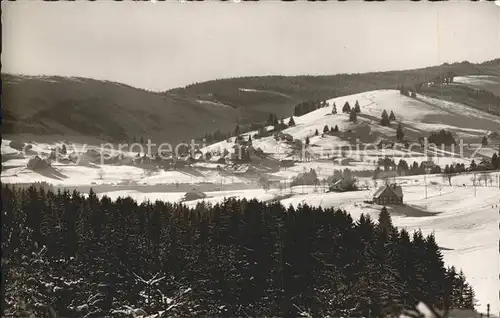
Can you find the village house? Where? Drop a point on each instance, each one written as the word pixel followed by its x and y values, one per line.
pixel 389 194
pixel 336 186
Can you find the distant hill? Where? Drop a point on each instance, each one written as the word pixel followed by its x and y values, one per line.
pixel 79 106
pixel 418 116
pixel 53 105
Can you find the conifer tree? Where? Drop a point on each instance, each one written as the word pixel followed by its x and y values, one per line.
pixel 326 129
pixel 392 117
pixel 347 108
pixel 484 142
pixel 435 271
pixel 334 108
pixel 291 122
pixel 385 221
pixel 385 119
pixel 353 116
pixel 357 108
pixel 316 133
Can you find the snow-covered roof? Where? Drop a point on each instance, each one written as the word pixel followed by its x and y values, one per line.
pixel 393 188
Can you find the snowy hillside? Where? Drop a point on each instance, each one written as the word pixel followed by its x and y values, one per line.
pixel 418 116
pixel 477 80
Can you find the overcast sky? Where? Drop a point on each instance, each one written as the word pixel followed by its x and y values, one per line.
pixel 159 46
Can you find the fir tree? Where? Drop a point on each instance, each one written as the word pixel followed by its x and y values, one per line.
pixel 385 119
pixel 326 129
pixel 392 117
pixel 385 221
pixel 347 108
pixel 353 116
pixel 484 142
pixel 357 108
pixel 334 109
pixel 316 133
pixel 291 122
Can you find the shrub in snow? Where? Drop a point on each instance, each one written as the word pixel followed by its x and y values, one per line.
pixel 306 178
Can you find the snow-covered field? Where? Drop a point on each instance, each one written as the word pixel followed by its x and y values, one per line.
pixel 76 175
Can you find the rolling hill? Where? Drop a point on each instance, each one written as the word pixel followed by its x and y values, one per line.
pixel 279 93
pixel 69 106
pixel 79 106
pixel 418 116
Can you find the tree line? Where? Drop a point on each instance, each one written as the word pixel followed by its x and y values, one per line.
pixel 80 255
pixel 308 106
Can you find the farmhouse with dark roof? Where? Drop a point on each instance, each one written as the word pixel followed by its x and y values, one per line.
pixel 389 194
